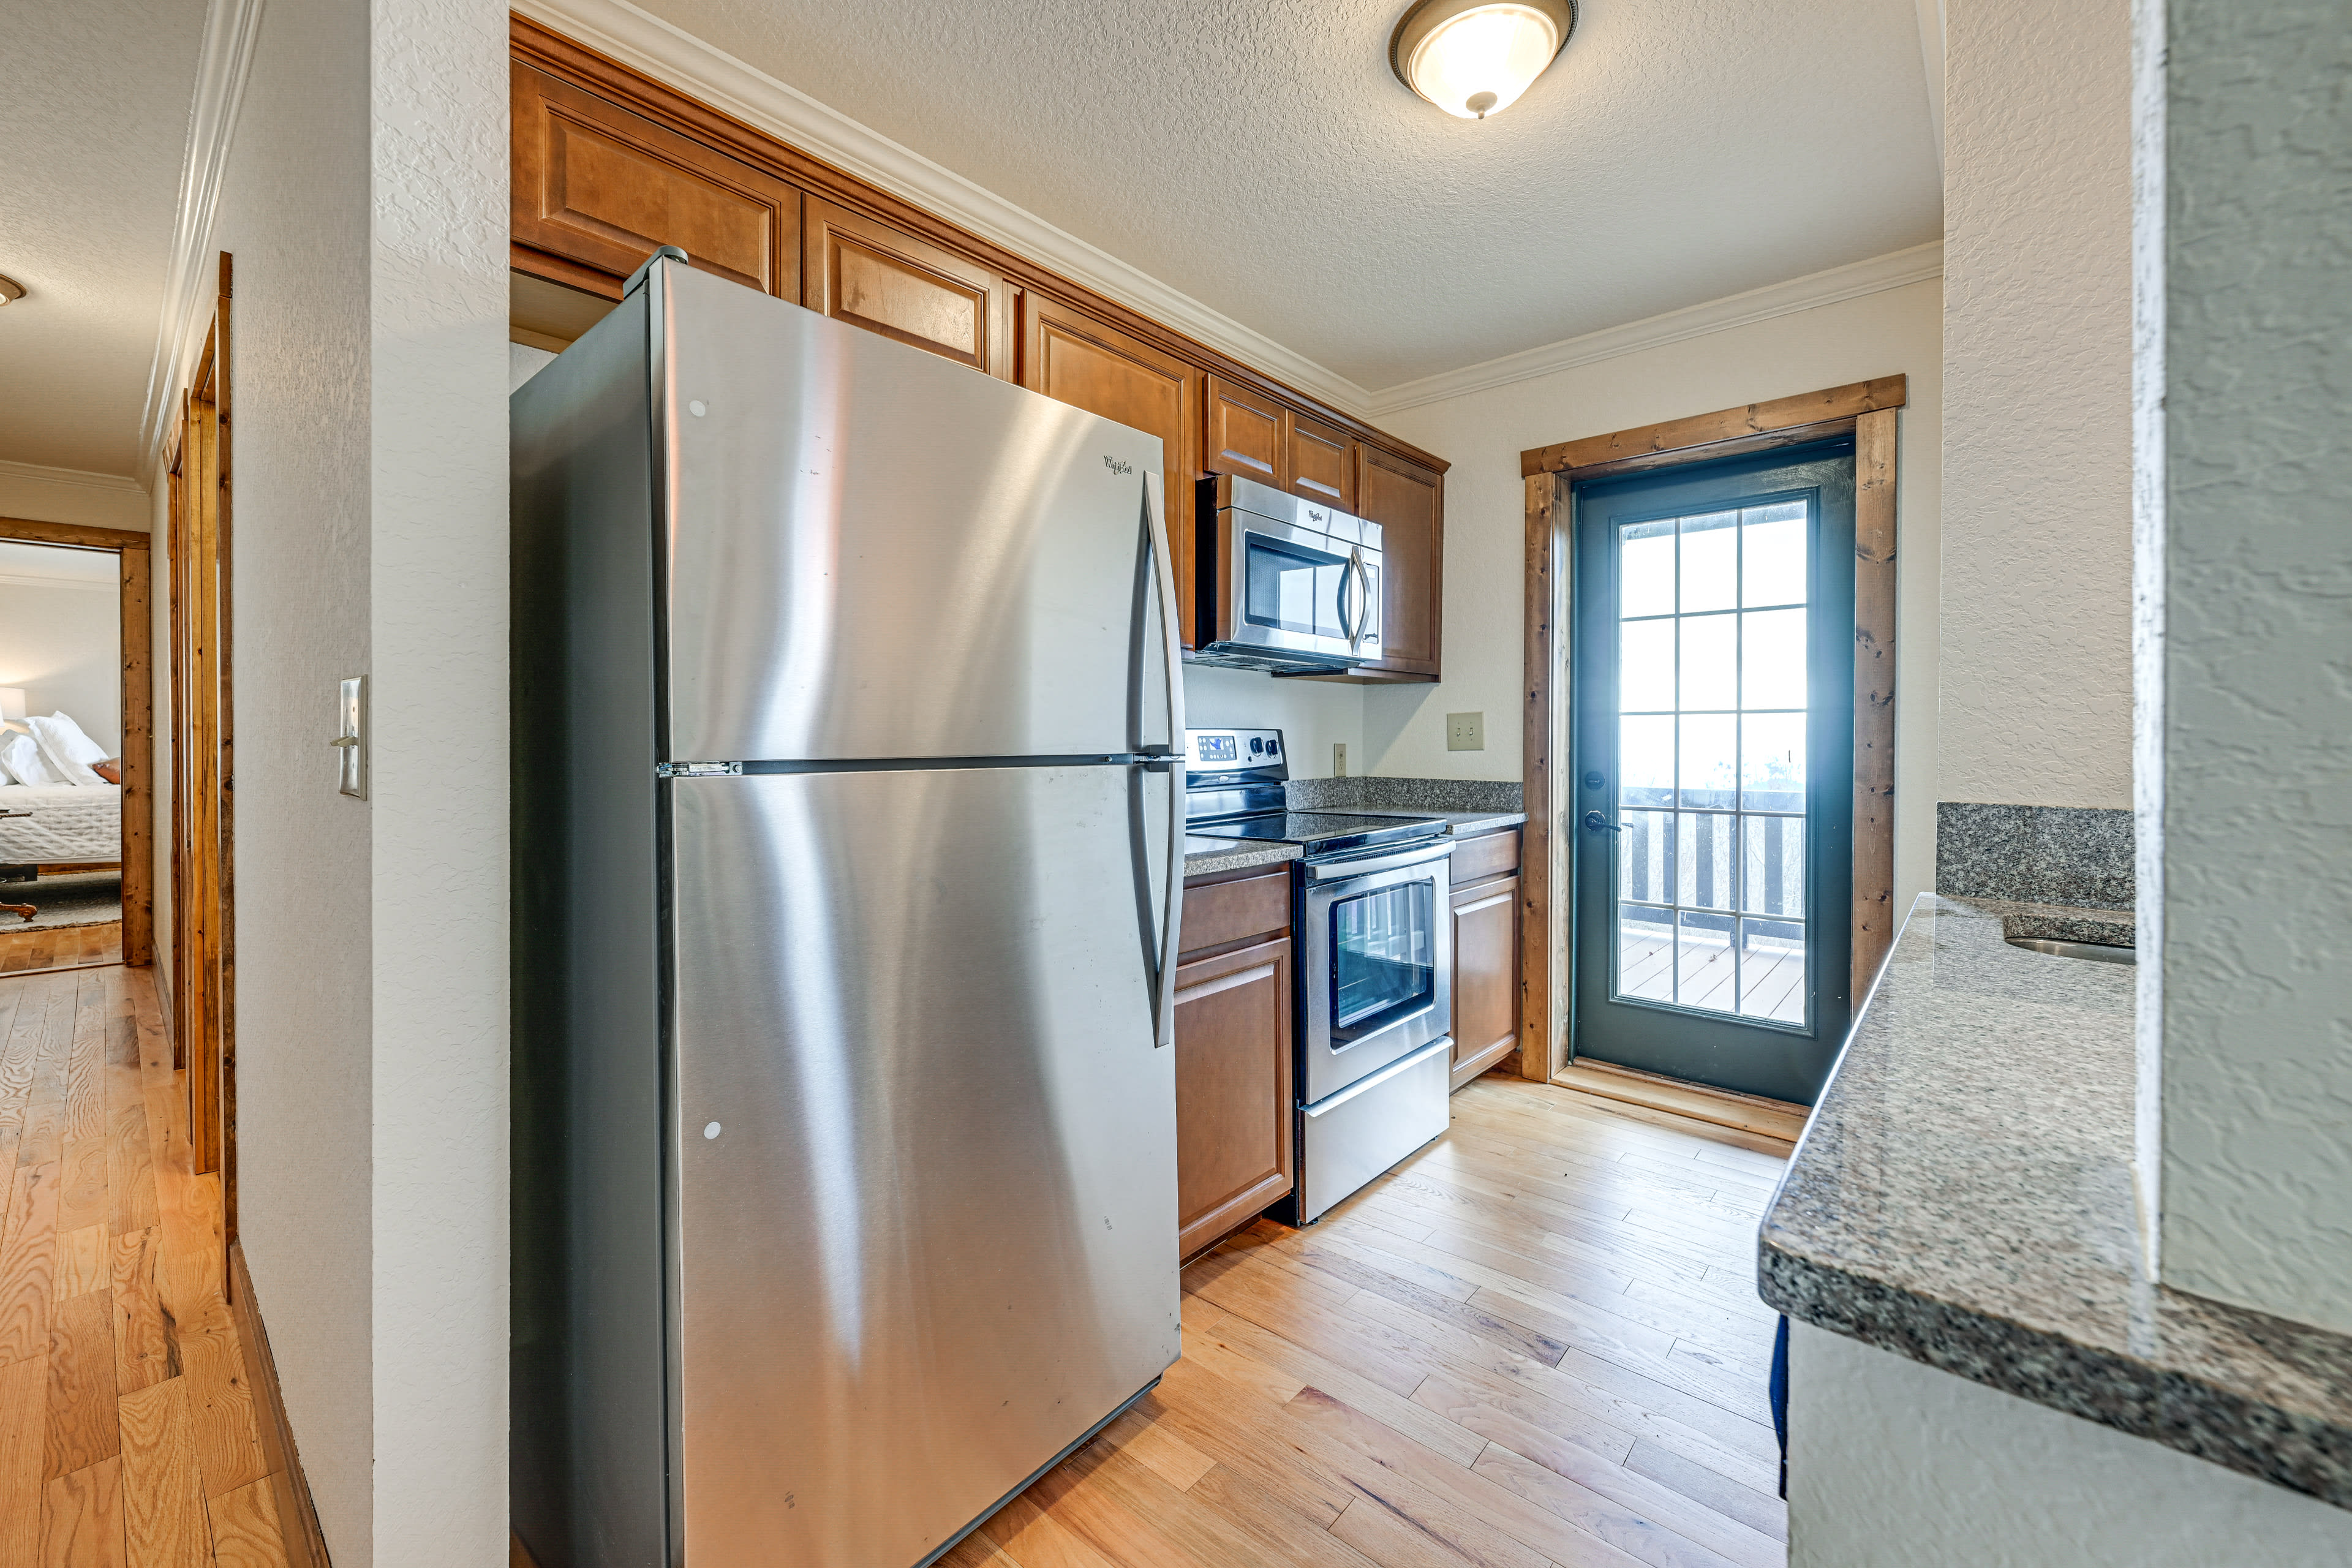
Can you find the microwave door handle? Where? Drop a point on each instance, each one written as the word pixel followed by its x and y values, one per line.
pixel 1171 913
pixel 1363 575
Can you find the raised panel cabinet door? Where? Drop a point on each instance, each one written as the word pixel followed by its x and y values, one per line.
pixel 1409 503
pixel 1245 434
pixel 875 274
pixel 1232 1091
pixel 599 188
pixel 1322 462
pixel 1485 975
pixel 1071 357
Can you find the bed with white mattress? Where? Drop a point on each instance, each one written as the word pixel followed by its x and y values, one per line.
pixel 70 824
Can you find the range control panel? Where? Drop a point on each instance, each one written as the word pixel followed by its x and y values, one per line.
pixel 1233 751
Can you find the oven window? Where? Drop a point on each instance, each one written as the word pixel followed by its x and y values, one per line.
pixel 1383 950
pixel 1291 587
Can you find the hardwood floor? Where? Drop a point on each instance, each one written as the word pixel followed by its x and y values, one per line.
pixel 128 1436
pixel 1536 1343
pixel 25 950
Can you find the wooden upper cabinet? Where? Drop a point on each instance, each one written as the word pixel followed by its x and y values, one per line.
pixel 1245 434
pixel 875 274
pixel 1409 503
pixel 1072 357
pixel 596 188
pixel 1322 461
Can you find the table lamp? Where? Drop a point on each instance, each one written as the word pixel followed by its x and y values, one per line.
pixel 12 705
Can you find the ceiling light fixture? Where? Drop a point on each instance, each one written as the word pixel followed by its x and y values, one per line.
pixel 1474 58
pixel 10 290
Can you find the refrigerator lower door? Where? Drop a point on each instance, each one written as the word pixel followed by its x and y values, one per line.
pixel 922 1148
pixel 1348 1138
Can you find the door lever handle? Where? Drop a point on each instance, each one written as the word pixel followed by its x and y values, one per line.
pixel 1596 822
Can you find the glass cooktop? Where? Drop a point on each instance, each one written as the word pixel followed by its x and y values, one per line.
pixel 1320 831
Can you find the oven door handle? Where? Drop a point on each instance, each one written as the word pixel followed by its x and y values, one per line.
pixel 1325 873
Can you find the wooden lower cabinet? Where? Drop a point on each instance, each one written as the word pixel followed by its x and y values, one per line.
pixel 1485 957
pixel 1232 1091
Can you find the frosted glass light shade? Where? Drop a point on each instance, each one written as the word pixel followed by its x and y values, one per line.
pixel 12 703
pixel 1474 58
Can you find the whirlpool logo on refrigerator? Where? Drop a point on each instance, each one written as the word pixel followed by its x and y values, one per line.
pixel 1116 467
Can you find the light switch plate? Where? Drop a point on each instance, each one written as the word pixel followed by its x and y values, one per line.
pixel 1466 731
pixel 351 738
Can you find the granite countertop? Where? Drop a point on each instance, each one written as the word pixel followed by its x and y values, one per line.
pixel 1964 1197
pixel 1203 856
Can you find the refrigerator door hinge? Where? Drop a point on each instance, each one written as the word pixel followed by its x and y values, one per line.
pixel 698 770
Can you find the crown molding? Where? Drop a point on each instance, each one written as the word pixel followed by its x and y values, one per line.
pixel 669 55
pixel 70 585
pixel 224 59
pixel 1892 270
pixel 41 474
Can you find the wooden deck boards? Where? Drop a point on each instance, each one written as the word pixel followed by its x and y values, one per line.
pixel 1534 1344
pixel 126 1431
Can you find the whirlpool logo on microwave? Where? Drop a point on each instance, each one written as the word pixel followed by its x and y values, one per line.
pixel 1116 467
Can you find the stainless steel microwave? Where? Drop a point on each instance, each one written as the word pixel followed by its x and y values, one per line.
pixel 1286 584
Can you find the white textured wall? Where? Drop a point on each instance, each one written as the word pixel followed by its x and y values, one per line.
pixel 1482 434
pixel 2037 412
pixel 365 204
pixel 1313 715
pixel 1896 1464
pixel 2256 712
pixel 437 465
pixel 63 495
pixel 62 643
pixel 293 211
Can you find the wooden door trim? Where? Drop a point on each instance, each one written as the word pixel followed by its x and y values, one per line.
pixel 134 574
pixel 1868 410
pixel 543 49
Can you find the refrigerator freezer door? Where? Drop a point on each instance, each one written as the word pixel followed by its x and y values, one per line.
pixel 923 1148
pixel 874 554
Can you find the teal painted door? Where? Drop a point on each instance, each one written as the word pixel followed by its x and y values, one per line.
pixel 1713 770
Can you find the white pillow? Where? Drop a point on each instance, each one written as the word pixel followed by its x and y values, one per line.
pixel 20 760
pixel 67 750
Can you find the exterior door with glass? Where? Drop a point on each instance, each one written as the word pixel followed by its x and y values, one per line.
pixel 1713 770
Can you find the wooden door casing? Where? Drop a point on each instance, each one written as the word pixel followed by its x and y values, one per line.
pixel 600 187
pixel 861 270
pixel 1408 501
pixel 1071 357
pixel 1486 974
pixel 1234 1155
pixel 1321 459
pixel 1244 434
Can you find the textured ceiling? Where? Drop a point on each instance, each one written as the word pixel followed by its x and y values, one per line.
pixel 94 116
pixel 1259 156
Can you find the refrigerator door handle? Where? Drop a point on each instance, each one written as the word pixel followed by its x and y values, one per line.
pixel 1172 917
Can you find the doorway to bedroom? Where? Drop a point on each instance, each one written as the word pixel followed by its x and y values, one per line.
pixel 76 865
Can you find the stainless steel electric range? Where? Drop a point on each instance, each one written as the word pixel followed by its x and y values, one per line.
pixel 1375 963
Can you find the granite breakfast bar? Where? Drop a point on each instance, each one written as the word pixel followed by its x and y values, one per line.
pixel 1963 1197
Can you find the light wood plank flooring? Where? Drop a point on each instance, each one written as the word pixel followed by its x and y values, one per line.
pixel 128 1436
pixel 1536 1343
pixel 24 949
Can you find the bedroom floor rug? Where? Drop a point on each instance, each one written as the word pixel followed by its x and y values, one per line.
pixel 91 898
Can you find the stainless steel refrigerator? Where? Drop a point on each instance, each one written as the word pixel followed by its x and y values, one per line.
pixel 847 868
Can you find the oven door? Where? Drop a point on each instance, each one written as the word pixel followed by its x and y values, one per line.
pixel 1378 971
pixel 1292 592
